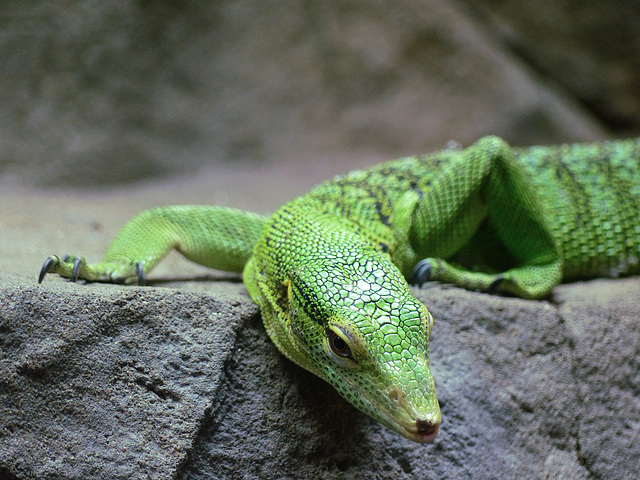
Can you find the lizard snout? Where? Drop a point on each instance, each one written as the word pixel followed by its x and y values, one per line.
pixel 426 430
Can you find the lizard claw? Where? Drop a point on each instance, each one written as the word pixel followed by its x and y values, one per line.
pixel 421 272
pixel 495 285
pixel 77 263
pixel 140 274
pixel 49 265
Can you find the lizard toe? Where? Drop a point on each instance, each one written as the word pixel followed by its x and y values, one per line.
pixel 140 274
pixel 49 266
pixel 77 264
pixel 495 285
pixel 421 272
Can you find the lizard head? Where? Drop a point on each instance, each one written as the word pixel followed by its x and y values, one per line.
pixel 357 326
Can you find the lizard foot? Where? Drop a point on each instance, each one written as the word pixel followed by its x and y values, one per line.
pixel 68 267
pixel 75 268
pixel 527 281
pixel 439 270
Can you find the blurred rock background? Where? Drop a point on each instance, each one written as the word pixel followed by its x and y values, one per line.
pixel 100 92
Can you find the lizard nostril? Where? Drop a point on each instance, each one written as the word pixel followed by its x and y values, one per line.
pixel 394 395
pixel 397 396
pixel 426 427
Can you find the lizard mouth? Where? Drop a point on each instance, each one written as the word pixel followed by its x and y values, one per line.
pixel 424 431
pixel 421 427
pixel 421 430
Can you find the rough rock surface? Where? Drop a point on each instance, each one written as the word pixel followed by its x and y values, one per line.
pixel 117 382
pixel 105 383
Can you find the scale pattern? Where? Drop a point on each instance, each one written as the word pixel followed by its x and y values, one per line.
pixel 591 199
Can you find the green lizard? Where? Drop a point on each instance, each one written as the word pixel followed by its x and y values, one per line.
pixel 328 270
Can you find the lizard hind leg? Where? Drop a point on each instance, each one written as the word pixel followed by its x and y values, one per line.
pixel 529 281
pixel 485 186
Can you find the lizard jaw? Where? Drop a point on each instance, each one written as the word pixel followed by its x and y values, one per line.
pixel 418 424
pixel 421 429
pixel 425 431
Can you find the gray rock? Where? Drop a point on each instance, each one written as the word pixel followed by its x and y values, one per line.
pixel 108 383
pixel 127 382
pixel 583 48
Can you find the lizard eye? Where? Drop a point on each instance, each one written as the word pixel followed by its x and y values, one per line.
pixel 338 344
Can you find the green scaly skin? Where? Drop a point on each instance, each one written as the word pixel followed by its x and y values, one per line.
pixel 329 270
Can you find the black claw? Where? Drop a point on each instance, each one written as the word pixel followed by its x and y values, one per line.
pixel 493 286
pixel 421 273
pixel 76 269
pixel 48 266
pixel 140 274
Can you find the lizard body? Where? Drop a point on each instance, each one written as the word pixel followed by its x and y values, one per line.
pixel 329 270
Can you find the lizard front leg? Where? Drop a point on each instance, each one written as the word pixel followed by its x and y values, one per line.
pixel 485 183
pixel 215 237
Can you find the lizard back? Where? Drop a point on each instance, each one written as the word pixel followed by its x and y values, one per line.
pixel 590 195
